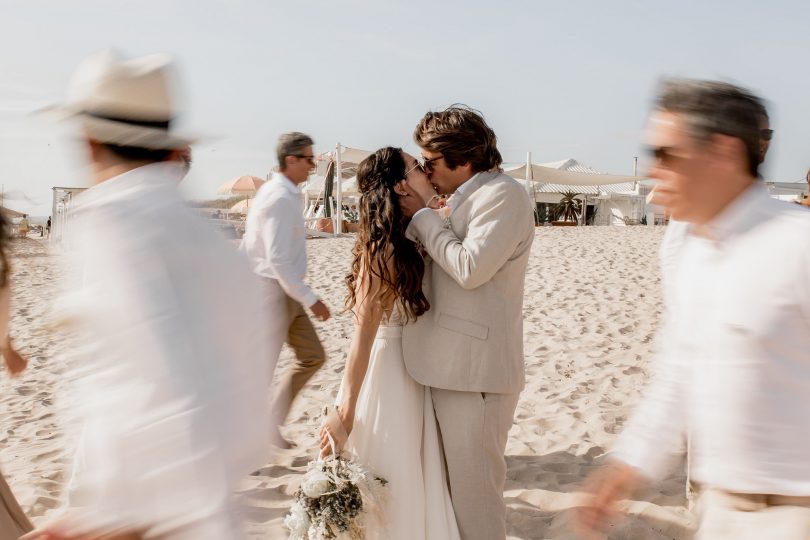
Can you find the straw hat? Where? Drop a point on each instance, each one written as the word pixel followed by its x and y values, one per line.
pixel 123 101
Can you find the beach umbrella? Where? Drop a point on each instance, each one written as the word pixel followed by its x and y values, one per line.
pixel 243 185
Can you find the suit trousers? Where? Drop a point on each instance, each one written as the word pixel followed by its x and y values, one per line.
pixel 474 427
pixel 299 333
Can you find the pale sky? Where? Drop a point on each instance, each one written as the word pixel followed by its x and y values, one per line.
pixel 560 79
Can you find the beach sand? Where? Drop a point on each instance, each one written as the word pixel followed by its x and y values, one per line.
pixel 593 303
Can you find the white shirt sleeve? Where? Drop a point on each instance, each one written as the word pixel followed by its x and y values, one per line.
pixel 281 243
pixel 654 434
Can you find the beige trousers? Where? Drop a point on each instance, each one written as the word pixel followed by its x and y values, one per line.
pixel 309 357
pixel 474 427
pixel 743 516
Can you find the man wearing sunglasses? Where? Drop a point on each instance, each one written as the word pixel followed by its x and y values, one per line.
pixel 733 371
pixel 468 348
pixel 275 242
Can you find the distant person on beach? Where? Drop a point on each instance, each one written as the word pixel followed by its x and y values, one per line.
pixel 24 226
pixel 275 242
pixel 733 370
pixel 48 227
pixel 173 386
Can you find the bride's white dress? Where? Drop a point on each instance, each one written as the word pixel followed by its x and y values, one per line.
pixel 395 434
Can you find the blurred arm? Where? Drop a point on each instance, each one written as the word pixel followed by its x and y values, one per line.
pixel 654 435
pixel 369 313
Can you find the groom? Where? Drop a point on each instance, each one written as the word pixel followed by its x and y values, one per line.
pixel 468 348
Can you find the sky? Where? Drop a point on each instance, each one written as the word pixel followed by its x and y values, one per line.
pixel 559 79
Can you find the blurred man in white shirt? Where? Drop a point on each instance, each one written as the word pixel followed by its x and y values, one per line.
pixel 275 242
pixel 734 366
pixel 170 384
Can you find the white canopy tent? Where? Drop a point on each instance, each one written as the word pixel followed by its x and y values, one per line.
pixel 786 191
pixel 568 172
pixel 314 186
pixel 345 160
pixel 570 175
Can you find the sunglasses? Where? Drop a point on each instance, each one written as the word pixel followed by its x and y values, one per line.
pixel 310 159
pixel 663 153
pixel 766 134
pixel 416 165
pixel 427 163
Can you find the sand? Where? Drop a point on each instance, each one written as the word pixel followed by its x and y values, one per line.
pixel 593 303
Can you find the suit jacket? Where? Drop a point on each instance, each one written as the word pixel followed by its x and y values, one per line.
pixel 471 339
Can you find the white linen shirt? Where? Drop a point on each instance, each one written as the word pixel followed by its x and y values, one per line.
pixel 275 238
pixel 734 367
pixel 173 372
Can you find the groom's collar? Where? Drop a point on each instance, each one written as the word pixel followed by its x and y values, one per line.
pixel 466 185
pixel 467 188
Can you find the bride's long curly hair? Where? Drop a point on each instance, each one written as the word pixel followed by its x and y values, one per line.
pixel 382 250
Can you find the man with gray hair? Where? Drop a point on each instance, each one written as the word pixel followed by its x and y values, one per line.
pixel 733 369
pixel 275 242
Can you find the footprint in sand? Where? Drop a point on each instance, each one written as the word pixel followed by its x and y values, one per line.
pixel 25 390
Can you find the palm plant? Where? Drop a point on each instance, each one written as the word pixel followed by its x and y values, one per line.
pixel 569 208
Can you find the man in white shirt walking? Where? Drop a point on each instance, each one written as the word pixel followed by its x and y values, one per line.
pixel 170 385
pixel 275 242
pixel 734 368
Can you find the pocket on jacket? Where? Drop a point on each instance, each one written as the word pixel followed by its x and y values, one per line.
pixel 468 328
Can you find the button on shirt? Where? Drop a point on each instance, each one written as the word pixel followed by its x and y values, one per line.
pixel 275 237
pixel 734 367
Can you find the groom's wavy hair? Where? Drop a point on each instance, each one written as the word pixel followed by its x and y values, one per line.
pixel 461 135
pixel 382 250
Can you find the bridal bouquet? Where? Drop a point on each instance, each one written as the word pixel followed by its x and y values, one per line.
pixel 335 496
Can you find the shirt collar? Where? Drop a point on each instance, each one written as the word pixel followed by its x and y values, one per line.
pixel 163 175
pixel 738 214
pixel 288 184
pixel 466 185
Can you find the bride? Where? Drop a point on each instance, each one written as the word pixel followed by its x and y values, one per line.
pixel 386 415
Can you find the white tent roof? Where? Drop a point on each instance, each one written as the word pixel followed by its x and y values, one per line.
pixel 569 173
pixel 350 158
pixel 624 187
pixel 314 186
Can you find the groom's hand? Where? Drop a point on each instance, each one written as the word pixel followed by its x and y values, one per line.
pixel 410 202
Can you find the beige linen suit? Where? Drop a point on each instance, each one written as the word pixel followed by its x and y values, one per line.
pixel 469 346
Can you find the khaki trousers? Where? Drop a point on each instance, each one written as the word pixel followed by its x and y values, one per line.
pixel 474 427
pixel 743 516
pixel 309 357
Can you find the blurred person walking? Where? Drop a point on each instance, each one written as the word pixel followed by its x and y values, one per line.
pixel 171 384
pixel 734 369
pixel 275 242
